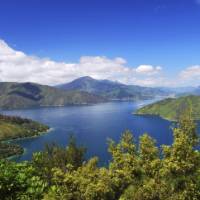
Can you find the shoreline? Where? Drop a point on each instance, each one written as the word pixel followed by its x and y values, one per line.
pixel 10 158
pixel 165 118
pixel 29 137
pixel 170 120
pixel 11 141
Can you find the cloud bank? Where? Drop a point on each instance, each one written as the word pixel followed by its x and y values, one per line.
pixel 191 75
pixel 16 66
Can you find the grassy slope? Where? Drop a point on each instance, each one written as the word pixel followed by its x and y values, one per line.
pixel 14 128
pixel 171 108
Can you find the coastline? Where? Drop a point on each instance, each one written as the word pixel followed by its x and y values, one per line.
pixel 12 141
pixel 165 118
pixel 29 137
pixel 16 155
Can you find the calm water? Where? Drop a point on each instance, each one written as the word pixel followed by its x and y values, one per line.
pixel 92 126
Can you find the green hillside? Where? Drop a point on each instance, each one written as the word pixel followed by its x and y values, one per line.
pixel 171 108
pixel 25 95
pixel 14 128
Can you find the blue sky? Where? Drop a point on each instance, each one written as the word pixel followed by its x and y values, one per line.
pixel 157 33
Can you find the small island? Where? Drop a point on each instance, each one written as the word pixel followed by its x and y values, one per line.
pixel 171 108
pixel 12 127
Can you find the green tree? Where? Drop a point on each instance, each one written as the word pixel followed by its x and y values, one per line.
pixel 181 163
pixel 88 182
pixel 55 156
pixel 18 181
pixel 124 167
pixel 150 164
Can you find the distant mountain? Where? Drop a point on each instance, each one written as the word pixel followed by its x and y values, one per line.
pixel 171 108
pixel 197 91
pixel 112 90
pixel 25 95
pixel 180 90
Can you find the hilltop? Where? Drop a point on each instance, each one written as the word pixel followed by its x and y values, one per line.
pixel 112 90
pixel 25 95
pixel 171 108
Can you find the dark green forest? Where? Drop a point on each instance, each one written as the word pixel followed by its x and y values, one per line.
pixel 137 170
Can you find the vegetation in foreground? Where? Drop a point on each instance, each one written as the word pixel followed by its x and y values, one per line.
pixel 15 128
pixel 171 108
pixel 136 172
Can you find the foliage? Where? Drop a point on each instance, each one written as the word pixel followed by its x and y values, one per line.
pixel 140 171
pixel 58 157
pixel 19 181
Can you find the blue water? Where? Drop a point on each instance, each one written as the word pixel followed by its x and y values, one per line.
pixel 92 126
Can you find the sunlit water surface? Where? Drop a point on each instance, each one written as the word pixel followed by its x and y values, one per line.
pixel 92 126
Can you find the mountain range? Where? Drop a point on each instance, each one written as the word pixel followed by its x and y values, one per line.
pixel 81 91
pixel 182 91
pixel 112 90
pixel 26 95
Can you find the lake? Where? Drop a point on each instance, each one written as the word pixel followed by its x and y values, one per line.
pixel 92 126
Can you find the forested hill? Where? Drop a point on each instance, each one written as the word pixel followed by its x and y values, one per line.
pixel 171 108
pixel 15 128
pixel 26 95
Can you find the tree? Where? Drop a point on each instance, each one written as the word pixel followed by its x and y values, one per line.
pixel 124 167
pixel 88 182
pixel 181 163
pixel 150 163
pixel 55 156
pixel 18 181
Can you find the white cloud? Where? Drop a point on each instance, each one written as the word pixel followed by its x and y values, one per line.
pixel 17 66
pixel 192 72
pixel 148 69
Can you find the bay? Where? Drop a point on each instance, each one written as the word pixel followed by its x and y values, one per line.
pixel 92 126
